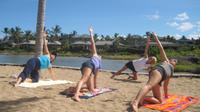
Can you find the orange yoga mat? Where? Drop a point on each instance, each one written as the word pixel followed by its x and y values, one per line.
pixel 174 103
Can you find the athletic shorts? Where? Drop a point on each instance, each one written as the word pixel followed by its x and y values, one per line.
pixel 88 64
pixel 130 66
pixel 163 74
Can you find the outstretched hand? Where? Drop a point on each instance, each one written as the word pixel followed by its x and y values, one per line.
pixel 91 30
pixel 155 35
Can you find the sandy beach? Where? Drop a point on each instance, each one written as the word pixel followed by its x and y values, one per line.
pixel 48 99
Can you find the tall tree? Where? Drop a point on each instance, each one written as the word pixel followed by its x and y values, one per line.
pixel 108 38
pixel 55 32
pixel 18 34
pixel 28 35
pixel 183 38
pixel 40 27
pixel 6 31
pixel 116 35
pixel 74 33
pixel 15 34
pixel 95 37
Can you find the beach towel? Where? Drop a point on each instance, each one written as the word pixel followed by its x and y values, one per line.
pixel 88 95
pixel 43 83
pixel 174 103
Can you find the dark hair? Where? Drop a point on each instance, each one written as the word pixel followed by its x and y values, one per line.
pixel 54 53
pixel 148 33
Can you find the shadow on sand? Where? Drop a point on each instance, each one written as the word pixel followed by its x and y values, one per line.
pixel 3 77
pixel 14 105
pixel 128 80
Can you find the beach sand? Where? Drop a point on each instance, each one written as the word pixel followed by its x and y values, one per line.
pixel 48 99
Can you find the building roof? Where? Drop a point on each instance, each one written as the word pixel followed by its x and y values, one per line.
pixel 32 42
pixel 165 43
pixel 82 36
pixel 54 43
pixel 81 43
pixel 104 43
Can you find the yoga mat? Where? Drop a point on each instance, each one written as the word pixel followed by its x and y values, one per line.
pixel 88 95
pixel 174 103
pixel 44 83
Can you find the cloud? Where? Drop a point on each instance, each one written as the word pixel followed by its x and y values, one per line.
pixel 194 36
pixel 173 24
pixel 198 26
pixel 154 16
pixel 185 26
pixel 177 36
pixel 182 16
pixel 198 23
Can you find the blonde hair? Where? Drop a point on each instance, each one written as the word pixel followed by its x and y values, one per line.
pixel 153 60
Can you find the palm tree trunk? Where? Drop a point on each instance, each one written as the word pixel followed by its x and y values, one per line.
pixel 40 27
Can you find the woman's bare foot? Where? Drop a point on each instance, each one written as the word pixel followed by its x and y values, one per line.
pixel 134 106
pixel 131 77
pixel 95 91
pixel 76 98
pixel 16 85
pixel 113 75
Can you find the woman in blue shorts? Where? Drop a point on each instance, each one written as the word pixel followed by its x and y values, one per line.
pixel 89 70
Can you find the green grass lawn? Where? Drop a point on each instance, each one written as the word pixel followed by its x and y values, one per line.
pixel 191 68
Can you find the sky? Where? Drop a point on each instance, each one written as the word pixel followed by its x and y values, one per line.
pixel 165 17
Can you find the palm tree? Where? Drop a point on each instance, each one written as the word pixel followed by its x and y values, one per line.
pixel 18 34
pixel 40 27
pixel 28 35
pixel 74 33
pixel 6 31
pixel 15 34
pixel 95 37
pixel 116 35
pixel 55 32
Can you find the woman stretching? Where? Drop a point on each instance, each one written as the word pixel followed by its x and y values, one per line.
pixel 161 73
pixel 89 70
pixel 140 64
pixel 30 72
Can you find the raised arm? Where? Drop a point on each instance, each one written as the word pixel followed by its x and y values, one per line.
pixel 147 45
pixel 163 55
pixel 45 48
pixel 93 46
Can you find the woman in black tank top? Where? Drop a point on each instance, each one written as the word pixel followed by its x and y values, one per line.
pixel 160 73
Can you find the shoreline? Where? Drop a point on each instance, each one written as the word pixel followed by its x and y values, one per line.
pixel 194 68
pixel 71 54
pixel 176 75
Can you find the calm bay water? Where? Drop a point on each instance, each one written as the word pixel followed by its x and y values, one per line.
pixel 108 64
